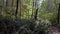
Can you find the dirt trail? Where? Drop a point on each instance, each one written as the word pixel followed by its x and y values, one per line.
pixel 54 30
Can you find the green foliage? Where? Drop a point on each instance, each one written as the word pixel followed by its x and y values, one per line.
pixel 1 3
pixel 25 8
pixel 7 21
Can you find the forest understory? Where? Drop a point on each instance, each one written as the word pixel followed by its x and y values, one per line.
pixel 29 16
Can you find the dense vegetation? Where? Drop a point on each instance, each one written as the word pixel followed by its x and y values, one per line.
pixel 28 16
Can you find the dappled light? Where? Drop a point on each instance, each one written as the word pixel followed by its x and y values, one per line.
pixel 29 16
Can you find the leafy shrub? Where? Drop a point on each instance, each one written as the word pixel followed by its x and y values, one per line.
pixel 23 26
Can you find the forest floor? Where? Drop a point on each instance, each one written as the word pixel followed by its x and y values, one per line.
pixel 55 30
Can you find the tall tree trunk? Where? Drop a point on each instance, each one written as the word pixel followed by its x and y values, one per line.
pixel 16 8
pixel 6 3
pixel 21 2
pixel 36 13
pixel 6 7
pixel 59 13
pixel 12 3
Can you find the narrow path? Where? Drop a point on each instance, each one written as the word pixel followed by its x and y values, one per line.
pixel 54 30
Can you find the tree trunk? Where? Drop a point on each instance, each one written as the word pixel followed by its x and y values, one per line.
pixel 6 2
pixel 16 8
pixel 59 13
pixel 36 13
pixel 12 3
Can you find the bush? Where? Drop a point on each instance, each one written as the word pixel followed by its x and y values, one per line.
pixel 44 26
pixel 23 26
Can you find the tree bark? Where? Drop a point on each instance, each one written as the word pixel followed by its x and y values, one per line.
pixel 36 13
pixel 6 2
pixel 16 8
pixel 59 13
